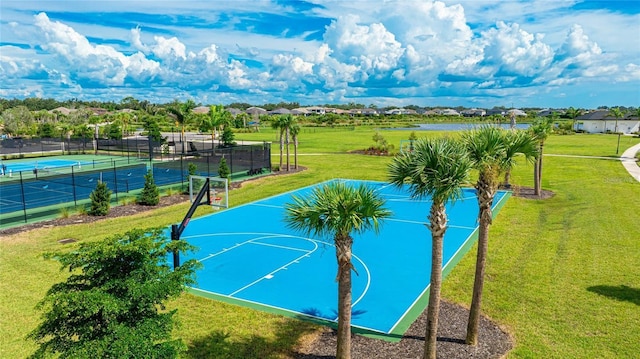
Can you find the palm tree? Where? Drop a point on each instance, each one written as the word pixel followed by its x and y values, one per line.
pixel 295 130
pixel 487 148
pixel 436 168
pixel 618 114
pixel 518 141
pixel 216 118
pixel 337 209
pixel 541 129
pixel 282 124
pixel 182 114
pixel 289 123
pixel 573 113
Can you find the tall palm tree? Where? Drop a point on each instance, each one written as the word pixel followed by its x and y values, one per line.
pixel 618 114
pixel 295 130
pixel 518 141
pixel 182 113
pixel 282 124
pixel 216 118
pixel 338 210
pixel 573 113
pixel 289 123
pixel 541 128
pixel 436 168
pixel 487 150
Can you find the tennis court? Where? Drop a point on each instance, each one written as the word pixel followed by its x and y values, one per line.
pixel 30 165
pixel 250 258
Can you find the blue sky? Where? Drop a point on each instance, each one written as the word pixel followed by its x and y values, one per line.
pixel 472 53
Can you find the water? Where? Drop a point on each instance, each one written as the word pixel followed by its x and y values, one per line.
pixel 458 126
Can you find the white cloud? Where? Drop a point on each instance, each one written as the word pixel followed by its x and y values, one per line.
pixel 374 51
pixel 168 49
pixel 370 47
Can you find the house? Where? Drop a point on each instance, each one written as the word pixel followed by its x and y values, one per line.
pixel 516 112
pixel 449 112
pixel 256 111
pixel 300 111
pixel 233 111
pixel 474 112
pixel 280 111
pixel 201 110
pixel 316 110
pixel 601 121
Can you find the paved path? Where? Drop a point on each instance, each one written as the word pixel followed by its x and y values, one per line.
pixel 629 161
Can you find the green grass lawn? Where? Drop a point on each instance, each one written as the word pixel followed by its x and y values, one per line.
pixel 562 273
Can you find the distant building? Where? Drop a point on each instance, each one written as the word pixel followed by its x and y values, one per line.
pixel 280 111
pixel 201 110
pixel 449 112
pixel 602 122
pixel 474 112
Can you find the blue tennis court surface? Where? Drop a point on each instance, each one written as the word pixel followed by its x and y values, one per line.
pixel 251 258
pixel 40 164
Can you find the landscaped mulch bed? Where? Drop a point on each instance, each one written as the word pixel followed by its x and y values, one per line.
pixel 493 342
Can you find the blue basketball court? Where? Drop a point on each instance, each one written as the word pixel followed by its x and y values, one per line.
pixel 251 258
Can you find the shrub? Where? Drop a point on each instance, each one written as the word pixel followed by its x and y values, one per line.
pixel 112 306
pixel 100 200
pixel 223 169
pixel 150 195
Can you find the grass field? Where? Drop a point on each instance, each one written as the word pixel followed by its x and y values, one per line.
pixel 562 273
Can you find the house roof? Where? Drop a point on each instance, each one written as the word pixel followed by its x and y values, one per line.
pixel 201 109
pixel 280 111
pixel 602 115
pixel 256 110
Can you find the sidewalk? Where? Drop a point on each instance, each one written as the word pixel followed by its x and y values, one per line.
pixel 629 161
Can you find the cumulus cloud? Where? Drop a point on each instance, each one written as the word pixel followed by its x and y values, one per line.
pixel 395 49
pixel 371 48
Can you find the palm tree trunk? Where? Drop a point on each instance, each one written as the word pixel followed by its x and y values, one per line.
pixel 538 173
pixel 288 166
pixel 507 178
pixel 295 152
pixel 438 226
pixel 486 193
pixel 281 148
pixel 343 254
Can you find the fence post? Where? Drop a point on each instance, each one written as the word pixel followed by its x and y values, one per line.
pixel 73 185
pixel 115 180
pixel 24 202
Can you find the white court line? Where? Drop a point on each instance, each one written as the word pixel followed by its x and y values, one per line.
pixel 443 268
pixel 224 250
pixel 277 270
pixel 274 235
pixel 283 247
pixel 425 223
pixel 283 309
pixel 265 205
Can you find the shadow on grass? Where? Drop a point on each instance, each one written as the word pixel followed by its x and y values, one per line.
pixel 621 292
pixel 219 343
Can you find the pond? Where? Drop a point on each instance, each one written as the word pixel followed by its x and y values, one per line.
pixel 456 126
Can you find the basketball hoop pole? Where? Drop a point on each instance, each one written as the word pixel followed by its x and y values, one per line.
pixel 175 236
pixel 176 230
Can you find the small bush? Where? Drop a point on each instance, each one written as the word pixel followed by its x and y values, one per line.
pixel 150 195
pixel 223 169
pixel 64 212
pixel 100 200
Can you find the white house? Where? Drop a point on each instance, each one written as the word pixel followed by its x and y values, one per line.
pixel 602 122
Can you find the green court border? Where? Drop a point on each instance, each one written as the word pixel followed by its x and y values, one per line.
pixel 421 303
pixel 396 334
